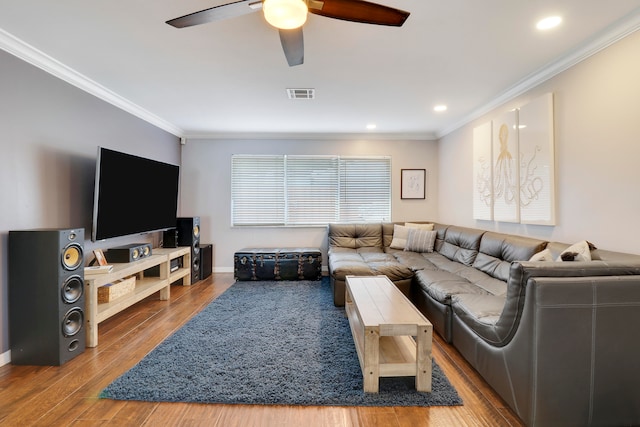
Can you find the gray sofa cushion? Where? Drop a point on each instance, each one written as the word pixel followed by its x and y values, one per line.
pixel 413 260
pixel 441 262
pixel 386 264
pixel 484 315
pixel 343 263
pixel 498 250
pixel 355 236
pixel 474 308
pixel 366 262
pixel 461 244
pixel 442 285
pixel 483 280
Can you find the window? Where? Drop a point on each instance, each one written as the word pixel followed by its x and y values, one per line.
pixel 309 190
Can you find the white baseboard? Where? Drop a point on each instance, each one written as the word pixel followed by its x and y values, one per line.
pixel 5 358
pixel 223 270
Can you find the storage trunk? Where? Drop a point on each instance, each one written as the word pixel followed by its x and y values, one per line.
pixel 278 264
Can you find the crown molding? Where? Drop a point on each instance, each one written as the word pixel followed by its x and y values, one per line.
pixel 369 136
pixel 39 59
pixel 601 41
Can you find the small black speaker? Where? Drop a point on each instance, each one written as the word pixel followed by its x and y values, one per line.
pixel 46 296
pixel 128 253
pixel 206 260
pixel 188 234
pixel 170 238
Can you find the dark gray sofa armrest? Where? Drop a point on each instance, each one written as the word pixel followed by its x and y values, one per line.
pixel 572 359
pixel 501 332
pixel 584 349
pixel 573 269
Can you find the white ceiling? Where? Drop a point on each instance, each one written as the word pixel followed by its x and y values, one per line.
pixel 229 78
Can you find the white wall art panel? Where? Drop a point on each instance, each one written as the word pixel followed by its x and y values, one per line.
pixel 482 176
pixel 505 167
pixel 537 188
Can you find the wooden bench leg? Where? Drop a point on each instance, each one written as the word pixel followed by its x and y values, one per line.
pixel 371 369
pixel 423 358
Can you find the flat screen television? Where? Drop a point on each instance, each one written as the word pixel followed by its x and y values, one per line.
pixel 133 195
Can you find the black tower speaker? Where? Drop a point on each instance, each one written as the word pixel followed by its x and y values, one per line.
pixel 188 234
pixel 206 260
pixel 46 296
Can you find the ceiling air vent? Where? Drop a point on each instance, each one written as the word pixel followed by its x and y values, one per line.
pixel 301 93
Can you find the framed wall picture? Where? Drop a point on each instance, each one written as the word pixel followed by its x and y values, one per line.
pixel 413 183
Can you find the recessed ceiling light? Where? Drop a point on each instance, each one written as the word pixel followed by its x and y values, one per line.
pixel 549 23
pixel 440 108
pixel 371 126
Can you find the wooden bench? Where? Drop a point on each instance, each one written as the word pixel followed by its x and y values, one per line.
pixel 383 323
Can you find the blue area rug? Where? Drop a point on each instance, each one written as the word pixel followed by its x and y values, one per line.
pixel 268 343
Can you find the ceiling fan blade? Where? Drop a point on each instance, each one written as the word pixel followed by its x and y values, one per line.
pixel 359 11
pixel 293 45
pixel 217 13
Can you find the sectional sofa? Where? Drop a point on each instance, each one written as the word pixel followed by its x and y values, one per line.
pixel 557 339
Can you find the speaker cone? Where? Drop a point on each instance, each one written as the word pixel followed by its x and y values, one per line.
pixel 196 230
pixel 72 322
pixel 135 253
pixel 145 250
pixel 72 289
pixel 72 257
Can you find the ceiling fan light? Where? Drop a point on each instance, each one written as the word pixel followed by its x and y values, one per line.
pixel 285 14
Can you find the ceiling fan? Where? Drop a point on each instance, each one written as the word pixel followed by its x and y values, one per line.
pixel 288 16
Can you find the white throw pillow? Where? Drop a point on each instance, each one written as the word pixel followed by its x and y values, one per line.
pixel 544 255
pixel 427 227
pixel 400 234
pixel 420 240
pixel 581 250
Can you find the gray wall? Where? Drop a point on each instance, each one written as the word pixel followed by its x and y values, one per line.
pixel 206 188
pixel 597 134
pixel 49 134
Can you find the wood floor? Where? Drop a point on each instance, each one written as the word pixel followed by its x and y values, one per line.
pixel 68 395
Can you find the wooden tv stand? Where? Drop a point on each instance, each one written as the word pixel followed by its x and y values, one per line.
pixel 145 286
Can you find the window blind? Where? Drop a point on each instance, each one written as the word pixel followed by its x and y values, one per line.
pixel 365 189
pixel 257 190
pixel 309 190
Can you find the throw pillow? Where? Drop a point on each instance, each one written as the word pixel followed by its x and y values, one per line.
pixel 427 227
pixel 420 240
pixel 580 251
pixel 400 234
pixel 544 255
